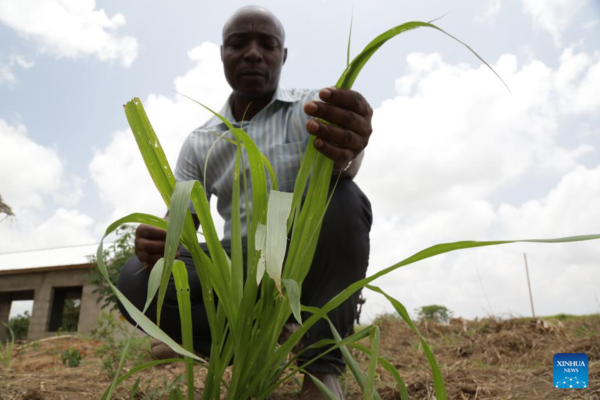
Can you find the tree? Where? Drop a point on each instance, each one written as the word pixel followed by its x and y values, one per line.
pixel 5 209
pixel 434 313
pixel 19 325
pixel 115 256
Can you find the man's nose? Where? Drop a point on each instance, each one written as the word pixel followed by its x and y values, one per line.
pixel 253 54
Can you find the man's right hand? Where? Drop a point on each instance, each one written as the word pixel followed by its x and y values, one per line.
pixel 150 245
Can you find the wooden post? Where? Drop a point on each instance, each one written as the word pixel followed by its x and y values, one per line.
pixel 529 284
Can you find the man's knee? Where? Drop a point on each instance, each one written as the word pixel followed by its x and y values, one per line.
pixel 349 210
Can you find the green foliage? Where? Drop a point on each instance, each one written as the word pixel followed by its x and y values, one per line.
pixel 71 357
pixel 115 256
pixel 19 325
pixel 435 313
pixel 70 317
pixel 7 349
pixel 114 335
pixel 168 390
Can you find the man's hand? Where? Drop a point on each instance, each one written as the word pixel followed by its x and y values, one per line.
pixel 350 117
pixel 150 245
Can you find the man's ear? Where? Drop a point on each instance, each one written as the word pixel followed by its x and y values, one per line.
pixel 284 55
pixel 221 52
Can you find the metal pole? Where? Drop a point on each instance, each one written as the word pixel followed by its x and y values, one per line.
pixel 529 284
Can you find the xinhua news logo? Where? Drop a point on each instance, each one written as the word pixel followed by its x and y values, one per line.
pixel 570 371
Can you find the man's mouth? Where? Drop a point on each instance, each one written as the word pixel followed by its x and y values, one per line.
pixel 252 73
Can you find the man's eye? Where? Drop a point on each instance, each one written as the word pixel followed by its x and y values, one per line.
pixel 236 45
pixel 270 46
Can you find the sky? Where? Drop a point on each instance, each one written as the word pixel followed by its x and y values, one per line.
pixel 454 155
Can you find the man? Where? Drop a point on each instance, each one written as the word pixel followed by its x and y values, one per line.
pixel 253 54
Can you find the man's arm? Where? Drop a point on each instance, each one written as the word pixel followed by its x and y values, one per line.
pixel 346 135
pixel 150 242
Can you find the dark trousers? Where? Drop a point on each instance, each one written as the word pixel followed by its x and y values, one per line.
pixel 341 258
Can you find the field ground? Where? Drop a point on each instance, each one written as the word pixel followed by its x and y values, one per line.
pixel 485 359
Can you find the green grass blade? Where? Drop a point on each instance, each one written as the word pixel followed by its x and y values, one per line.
pixel 324 342
pixel 351 73
pixel 154 282
pixel 421 255
pixel 177 213
pixel 438 380
pixel 261 246
pixel 237 261
pixel 280 204
pixel 293 294
pixel 349 39
pixel 370 384
pixel 182 286
pixel 322 387
pixel 358 374
pixel 212 146
pixel 144 322
pixel 113 385
pixel 388 367
pixel 150 148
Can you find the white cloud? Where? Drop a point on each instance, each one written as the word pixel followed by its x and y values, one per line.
pixel 70 28
pixel 30 230
pixel 446 145
pixel 28 171
pixel 7 77
pixel 492 7
pixel 32 179
pixel 118 170
pixel 454 134
pixel 554 16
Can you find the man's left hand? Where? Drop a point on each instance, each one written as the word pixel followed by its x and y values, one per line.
pixel 349 116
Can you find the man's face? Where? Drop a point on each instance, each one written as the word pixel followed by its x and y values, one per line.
pixel 253 54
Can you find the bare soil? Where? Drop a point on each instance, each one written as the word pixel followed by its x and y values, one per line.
pixel 486 359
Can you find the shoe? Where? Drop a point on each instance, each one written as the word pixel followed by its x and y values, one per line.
pixel 310 391
pixel 160 351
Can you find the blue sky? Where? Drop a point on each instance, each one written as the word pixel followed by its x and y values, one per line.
pixel 454 156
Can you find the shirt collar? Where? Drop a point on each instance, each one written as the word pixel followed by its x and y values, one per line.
pixel 281 95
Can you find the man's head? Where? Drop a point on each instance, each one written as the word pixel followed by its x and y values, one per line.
pixel 253 52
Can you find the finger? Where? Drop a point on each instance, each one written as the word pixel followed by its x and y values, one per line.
pixel 151 232
pixel 348 99
pixel 150 246
pixel 153 259
pixel 143 257
pixel 334 134
pixel 338 116
pixel 339 155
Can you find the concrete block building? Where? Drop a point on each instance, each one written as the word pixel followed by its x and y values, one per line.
pixel 49 278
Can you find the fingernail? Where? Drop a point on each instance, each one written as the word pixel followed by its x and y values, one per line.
pixel 318 143
pixel 311 107
pixel 325 94
pixel 313 126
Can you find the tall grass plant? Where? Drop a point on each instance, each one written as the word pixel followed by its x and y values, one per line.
pixel 246 321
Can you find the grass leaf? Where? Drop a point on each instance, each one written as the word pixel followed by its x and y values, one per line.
pixel 280 204
pixel 293 294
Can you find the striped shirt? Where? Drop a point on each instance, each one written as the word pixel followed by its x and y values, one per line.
pixel 279 131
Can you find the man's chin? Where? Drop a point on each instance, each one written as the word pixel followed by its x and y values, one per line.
pixel 254 92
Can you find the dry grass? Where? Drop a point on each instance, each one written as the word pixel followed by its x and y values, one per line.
pixel 487 359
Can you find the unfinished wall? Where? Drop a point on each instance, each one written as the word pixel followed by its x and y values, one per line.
pixel 43 283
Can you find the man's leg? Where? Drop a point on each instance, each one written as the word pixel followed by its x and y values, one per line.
pixel 133 283
pixel 341 258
